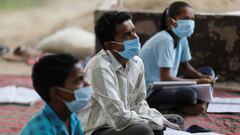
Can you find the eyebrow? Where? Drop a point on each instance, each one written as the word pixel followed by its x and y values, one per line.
pixel 128 32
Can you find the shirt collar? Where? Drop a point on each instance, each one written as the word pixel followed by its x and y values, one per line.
pixel 56 121
pixel 116 64
pixel 52 116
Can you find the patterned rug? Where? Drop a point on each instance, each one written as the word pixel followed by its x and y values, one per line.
pixel 228 124
pixel 14 117
pixel 15 80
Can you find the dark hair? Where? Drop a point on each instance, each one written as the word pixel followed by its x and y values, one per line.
pixel 105 28
pixel 51 70
pixel 173 11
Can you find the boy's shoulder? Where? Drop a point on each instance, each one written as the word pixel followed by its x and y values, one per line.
pixel 100 60
pixel 39 121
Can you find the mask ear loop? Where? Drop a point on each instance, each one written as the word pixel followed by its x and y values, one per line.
pixel 114 42
pixel 68 91
pixel 65 90
pixel 59 96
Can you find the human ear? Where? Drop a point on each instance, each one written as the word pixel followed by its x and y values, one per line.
pixel 172 22
pixel 54 93
pixel 108 45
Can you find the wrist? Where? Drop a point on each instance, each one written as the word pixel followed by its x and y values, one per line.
pixel 200 75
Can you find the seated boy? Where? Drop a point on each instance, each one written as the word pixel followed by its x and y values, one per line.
pixel 116 75
pixel 58 79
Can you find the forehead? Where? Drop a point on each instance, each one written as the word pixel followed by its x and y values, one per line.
pixel 76 72
pixel 186 12
pixel 126 26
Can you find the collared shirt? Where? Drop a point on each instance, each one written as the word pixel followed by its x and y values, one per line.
pixel 159 52
pixel 118 98
pixel 46 122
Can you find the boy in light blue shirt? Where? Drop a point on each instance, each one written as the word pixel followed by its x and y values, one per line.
pixel 167 51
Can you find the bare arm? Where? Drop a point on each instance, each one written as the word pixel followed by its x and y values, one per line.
pixel 166 75
pixel 190 70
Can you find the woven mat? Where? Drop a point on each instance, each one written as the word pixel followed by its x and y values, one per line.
pixel 221 123
pixel 14 117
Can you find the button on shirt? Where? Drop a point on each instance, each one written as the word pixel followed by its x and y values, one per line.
pixel 46 122
pixel 159 52
pixel 118 99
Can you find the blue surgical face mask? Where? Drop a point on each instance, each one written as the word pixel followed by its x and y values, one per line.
pixel 131 48
pixel 82 97
pixel 184 28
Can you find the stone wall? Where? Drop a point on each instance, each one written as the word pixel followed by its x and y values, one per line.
pixel 215 42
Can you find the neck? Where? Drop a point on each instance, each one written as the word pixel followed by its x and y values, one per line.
pixel 61 110
pixel 120 59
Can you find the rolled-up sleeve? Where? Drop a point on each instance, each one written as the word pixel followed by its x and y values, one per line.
pixel 106 93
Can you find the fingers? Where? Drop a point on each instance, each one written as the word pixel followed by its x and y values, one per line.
pixel 206 76
pixel 204 80
pixel 175 126
pixel 172 125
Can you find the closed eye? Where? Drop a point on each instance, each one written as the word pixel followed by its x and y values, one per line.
pixel 79 80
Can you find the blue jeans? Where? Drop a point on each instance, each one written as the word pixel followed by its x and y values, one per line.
pixel 168 99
